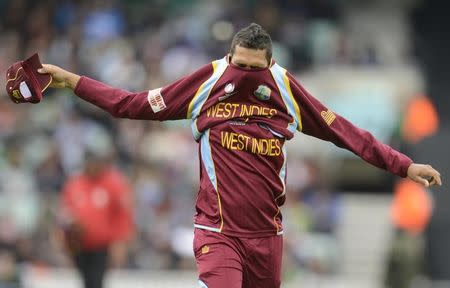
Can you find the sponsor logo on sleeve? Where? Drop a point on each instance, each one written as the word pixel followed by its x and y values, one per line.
pixel 156 100
pixel 328 116
pixel 262 93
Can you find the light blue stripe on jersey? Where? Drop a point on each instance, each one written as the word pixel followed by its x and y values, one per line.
pixel 205 149
pixel 207 228
pixel 195 131
pixel 202 284
pixel 282 173
pixel 207 86
pixel 278 74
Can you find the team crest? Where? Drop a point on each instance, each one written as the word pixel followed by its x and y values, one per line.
pixel 328 116
pixel 262 93
pixel 16 94
pixel 205 249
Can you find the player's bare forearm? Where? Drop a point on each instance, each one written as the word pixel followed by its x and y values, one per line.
pixel 60 78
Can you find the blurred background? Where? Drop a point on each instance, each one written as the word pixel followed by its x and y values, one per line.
pixel 382 64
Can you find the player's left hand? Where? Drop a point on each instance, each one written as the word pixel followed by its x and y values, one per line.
pixel 424 174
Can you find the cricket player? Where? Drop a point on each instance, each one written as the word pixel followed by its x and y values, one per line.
pixel 243 108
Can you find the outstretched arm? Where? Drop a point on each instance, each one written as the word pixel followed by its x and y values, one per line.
pixel 320 122
pixel 61 77
pixel 166 103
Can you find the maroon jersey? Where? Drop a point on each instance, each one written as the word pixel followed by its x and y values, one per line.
pixel 241 119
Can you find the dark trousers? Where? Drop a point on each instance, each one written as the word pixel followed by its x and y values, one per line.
pixel 92 267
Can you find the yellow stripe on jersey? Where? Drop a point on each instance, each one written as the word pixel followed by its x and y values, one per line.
pixel 220 211
pixel 202 94
pixel 280 76
pixel 198 93
pixel 296 107
pixel 275 219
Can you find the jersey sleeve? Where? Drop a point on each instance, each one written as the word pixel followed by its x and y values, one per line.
pixel 170 102
pixel 320 122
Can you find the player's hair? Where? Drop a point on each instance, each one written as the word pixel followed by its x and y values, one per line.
pixel 254 37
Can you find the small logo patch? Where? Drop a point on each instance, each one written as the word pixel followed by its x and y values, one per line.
pixel 229 91
pixel 229 88
pixel 205 249
pixel 16 94
pixel 262 93
pixel 328 116
pixel 156 100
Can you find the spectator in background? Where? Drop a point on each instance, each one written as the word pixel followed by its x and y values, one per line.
pixel 314 214
pixel 19 211
pixel 411 210
pixel 412 206
pixel 152 212
pixel 96 216
pixel 19 204
pixel 9 272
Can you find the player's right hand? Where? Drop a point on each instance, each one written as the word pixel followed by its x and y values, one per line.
pixel 60 77
pixel 424 174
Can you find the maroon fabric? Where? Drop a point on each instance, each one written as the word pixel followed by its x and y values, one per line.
pixel 345 135
pixel 244 102
pixel 124 104
pixel 245 136
pixel 230 262
pixel 249 185
pixel 31 65
pixel 26 71
pixel 14 76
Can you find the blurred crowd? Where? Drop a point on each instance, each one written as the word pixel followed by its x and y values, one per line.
pixel 138 45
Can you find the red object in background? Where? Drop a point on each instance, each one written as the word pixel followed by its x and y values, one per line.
pixel 421 119
pixel 100 207
pixel 412 207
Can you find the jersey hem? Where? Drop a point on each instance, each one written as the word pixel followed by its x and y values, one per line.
pixel 240 234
